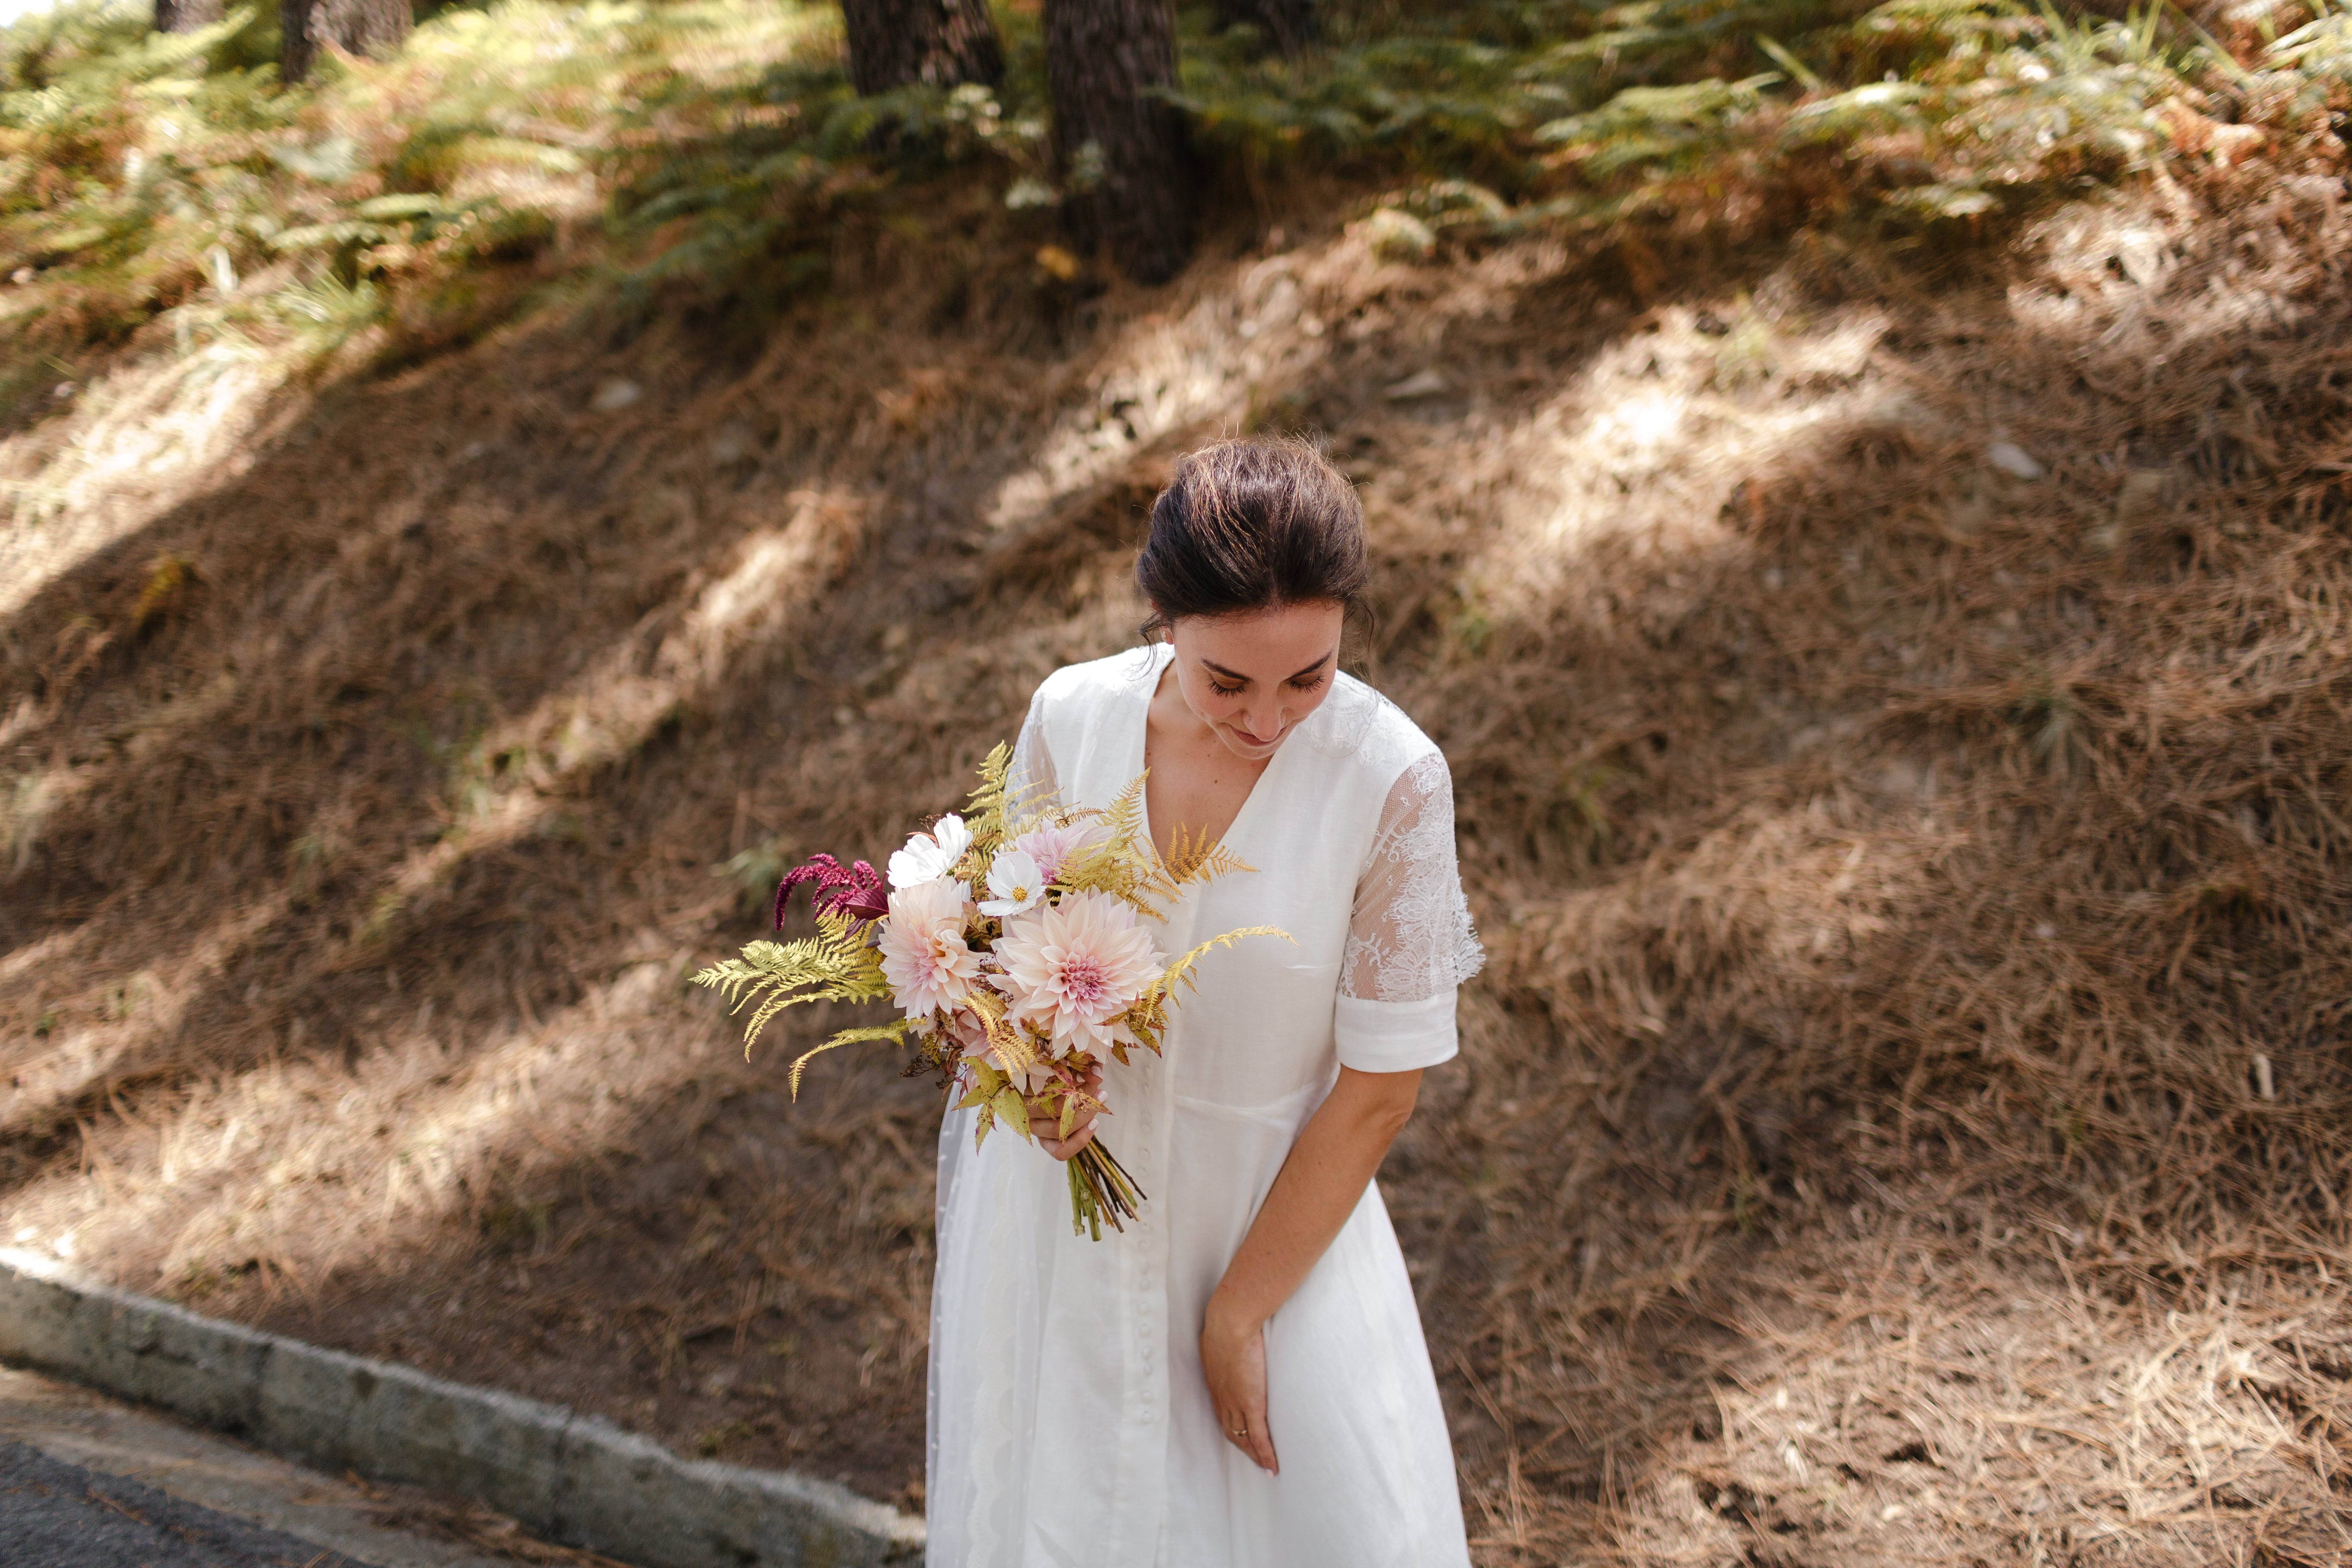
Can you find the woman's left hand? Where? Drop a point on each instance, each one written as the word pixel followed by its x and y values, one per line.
pixel 1232 1356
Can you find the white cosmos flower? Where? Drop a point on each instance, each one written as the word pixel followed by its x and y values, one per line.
pixel 1017 881
pixel 931 855
pixel 924 956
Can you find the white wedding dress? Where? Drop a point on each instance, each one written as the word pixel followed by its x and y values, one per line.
pixel 1069 1424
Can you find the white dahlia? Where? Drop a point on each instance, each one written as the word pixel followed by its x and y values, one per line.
pixel 923 953
pixel 1071 969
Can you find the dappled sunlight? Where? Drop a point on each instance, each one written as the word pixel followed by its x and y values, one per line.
pixel 1198 369
pixel 519 773
pixel 137 439
pixel 1650 440
pixel 144 1012
pixel 1890 1394
pixel 405 1137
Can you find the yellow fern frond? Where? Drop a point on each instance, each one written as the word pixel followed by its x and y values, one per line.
pixel 985 815
pixel 1197 858
pixel 1011 1044
pixel 1181 972
pixel 1146 1018
pixel 894 1031
pixel 834 965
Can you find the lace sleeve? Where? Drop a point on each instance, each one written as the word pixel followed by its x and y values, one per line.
pixel 1410 942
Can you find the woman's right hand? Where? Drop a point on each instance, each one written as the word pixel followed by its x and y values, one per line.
pixel 1046 1128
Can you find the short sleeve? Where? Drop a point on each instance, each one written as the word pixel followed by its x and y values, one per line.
pixel 1033 777
pixel 1410 942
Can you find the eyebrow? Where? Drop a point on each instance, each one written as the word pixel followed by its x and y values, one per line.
pixel 1236 674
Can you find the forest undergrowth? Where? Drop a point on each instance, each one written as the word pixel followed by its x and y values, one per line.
pixel 1893 662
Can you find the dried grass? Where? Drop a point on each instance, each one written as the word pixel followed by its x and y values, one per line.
pixel 1901 1120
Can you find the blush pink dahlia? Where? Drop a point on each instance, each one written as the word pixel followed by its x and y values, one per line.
pixel 1072 968
pixel 1055 845
pixel 923 953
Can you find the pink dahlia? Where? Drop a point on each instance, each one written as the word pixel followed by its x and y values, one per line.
pixel 1055 846
pixel 924 956
pixel 1072 968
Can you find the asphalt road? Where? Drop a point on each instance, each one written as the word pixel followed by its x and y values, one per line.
pixel 56 1515
pixel 91 1482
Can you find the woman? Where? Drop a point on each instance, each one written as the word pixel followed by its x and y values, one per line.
pixel 1239 1380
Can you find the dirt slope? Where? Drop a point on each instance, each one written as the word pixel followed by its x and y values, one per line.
pixel 1902 1116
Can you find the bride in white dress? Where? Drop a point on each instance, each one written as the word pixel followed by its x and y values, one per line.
pixel 1239 1380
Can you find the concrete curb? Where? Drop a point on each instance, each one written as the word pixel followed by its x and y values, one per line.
pixel 572 1478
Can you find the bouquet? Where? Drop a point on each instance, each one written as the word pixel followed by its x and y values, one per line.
pixel 1011 941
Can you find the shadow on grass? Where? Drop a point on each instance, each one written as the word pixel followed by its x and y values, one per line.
pixel 1751 670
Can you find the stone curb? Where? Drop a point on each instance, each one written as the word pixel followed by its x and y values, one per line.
pixel 572 1478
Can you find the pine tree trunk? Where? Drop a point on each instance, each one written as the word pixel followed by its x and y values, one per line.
pixel 375 27
pixel 938 43
pixel 185 15
pixel 1288 24
pixel 1125 162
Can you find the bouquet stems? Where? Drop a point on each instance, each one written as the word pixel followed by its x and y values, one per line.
pixel 1100 1189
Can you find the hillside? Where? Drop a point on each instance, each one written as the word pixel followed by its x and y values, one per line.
pixel 1896 682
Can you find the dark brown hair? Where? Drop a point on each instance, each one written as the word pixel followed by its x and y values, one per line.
pixel 1248 524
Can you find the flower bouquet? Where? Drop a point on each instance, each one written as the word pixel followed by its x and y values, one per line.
pixel 1011 938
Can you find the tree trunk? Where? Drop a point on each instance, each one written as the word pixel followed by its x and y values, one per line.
pixel 1125 163
pixel 937 43
pixel 355 26
pixel 1288 24
pixel 185 15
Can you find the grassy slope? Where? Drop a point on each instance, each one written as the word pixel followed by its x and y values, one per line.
pixel 1894 870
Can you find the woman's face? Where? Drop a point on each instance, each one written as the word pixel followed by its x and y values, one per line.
pixel 1253 675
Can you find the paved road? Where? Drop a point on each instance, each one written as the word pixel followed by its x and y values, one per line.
pixel 56 1515
pixel 90 1483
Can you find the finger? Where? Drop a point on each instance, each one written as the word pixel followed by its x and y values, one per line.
pixel 1260 1444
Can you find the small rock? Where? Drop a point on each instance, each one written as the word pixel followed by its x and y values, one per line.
pixel 1421 383
pixel 731 443
pixel 1396 235
pixel 2014 460
pixel 2142 493
pixel 23 275
pixel 617 394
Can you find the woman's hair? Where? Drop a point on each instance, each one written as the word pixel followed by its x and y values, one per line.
pixel 1248 524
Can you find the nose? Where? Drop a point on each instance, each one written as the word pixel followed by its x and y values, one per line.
pixel 1264 723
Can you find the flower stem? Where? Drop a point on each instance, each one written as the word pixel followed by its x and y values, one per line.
pixel 1100 1189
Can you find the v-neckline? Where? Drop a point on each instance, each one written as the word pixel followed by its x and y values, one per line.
pixel 1162 656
